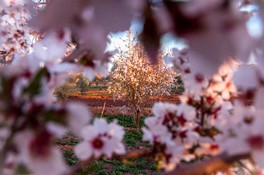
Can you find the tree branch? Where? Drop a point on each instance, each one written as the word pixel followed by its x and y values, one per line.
pixel 208 166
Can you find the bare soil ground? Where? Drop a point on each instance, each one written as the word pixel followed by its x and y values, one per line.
pixel 98 100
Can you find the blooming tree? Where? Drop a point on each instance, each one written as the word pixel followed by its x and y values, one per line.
pixel 221 110
pixel 135 80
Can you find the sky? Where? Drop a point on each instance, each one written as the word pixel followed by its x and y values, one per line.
pixel 254 24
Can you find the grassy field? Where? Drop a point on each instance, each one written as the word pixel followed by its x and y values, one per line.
pixel 132 140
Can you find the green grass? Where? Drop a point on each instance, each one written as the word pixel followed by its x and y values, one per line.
pixel 98 87
pixel 70 158
pixel 132 140
pixel 123 120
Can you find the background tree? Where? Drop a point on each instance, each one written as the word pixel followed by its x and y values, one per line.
pixel 63 92
pixel 135 79
pixel 82 84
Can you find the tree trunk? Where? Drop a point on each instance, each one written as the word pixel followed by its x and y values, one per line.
pixel 137 118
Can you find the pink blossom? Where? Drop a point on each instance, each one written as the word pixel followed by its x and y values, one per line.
pixel 38 154
pixel 100 139
pixel 249 73
pixel 52 48
pixel 195 83
pixel 78 116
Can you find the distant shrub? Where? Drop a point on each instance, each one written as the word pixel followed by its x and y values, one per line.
pixel 61 93
pixel 177 86
pixel 82 84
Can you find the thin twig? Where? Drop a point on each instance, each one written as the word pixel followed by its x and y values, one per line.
pixel 102 113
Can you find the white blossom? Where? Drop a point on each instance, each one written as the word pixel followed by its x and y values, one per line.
pixel 78 116
pixel 38 154
pixel 100 139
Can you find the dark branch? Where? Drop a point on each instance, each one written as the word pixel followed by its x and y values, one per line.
pixel 208 166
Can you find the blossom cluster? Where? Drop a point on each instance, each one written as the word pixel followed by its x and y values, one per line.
pixel 168 131
pixel 31 118
pixel 16 37
pixel 223 114
pixel 198 120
